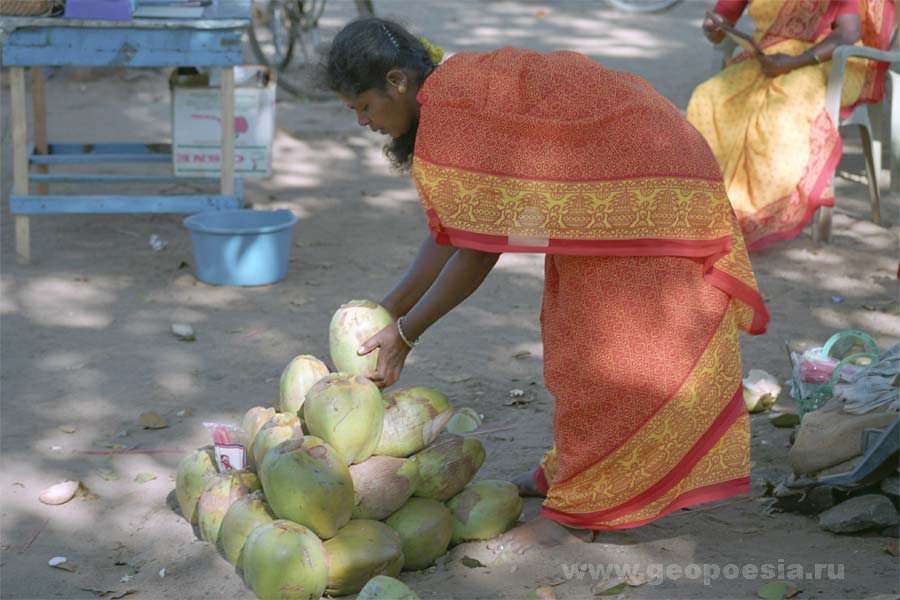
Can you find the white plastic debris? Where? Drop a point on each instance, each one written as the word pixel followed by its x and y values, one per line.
pixel 157 243
pixel 162 572
pixel 56 561
pixel 183 331
pixel 516 393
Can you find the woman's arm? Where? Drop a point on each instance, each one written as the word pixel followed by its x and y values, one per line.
pixel 847 31
pixel 426 266
pixel 462 275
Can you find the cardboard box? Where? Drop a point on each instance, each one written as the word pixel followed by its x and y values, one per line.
pixel 196 116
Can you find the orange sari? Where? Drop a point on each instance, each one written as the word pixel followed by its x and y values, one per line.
pixel 774 141
pixel 647 276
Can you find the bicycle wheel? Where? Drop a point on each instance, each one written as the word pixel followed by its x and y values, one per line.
pixel 307 33
pixel 310 11
pixel 273 32
pixel 642 6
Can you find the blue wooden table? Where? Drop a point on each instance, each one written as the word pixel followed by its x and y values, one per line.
pixel 38 42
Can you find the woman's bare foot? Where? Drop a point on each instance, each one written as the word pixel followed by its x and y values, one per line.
pixel 540 532
pixel 526 485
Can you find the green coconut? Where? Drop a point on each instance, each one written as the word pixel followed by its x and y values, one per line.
pixel 353 324
pixel 346 412
pixel 194 472
pixel 221 492
pixel 381 485
pixel 361 550
pixel 484 510
pixel 244 515
pixel 413 418
pixel 296 379
pixel 386 588
pixel 281 427
pixel 425 527
pixel 307 482
pixel 446 467
pixel 285 561
pixel 253 421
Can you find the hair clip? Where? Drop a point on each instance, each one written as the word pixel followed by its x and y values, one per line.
pixel 391 36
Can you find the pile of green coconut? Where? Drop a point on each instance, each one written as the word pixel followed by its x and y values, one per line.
pixel 345 488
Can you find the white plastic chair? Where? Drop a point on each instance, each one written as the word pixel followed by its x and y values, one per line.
pixel 868 117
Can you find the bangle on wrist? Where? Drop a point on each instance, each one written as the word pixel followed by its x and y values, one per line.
pixel 815 57
pixel 412 344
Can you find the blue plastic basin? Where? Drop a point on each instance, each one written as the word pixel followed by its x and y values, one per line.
pixel 241 247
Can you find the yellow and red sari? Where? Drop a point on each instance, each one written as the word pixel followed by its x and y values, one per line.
pixel 647 276
pixel 774 141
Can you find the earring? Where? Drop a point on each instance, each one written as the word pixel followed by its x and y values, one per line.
pixel 401 88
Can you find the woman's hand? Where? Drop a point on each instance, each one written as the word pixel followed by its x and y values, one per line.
pixel 391 356
pixel 461 275
pixel 774 65
pixel 712 32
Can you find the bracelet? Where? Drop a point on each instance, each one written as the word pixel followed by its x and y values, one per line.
pixel 411 344
pixel 815 57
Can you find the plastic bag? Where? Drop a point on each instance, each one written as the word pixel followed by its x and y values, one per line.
pixel 230 444
pixel 815 367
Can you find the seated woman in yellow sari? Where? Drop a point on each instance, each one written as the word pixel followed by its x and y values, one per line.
pixel 764 116
pixel 647 279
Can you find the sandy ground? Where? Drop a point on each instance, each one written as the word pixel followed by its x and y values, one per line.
pixel 86 341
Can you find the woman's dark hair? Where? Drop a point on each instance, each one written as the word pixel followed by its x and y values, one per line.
pixel 359 59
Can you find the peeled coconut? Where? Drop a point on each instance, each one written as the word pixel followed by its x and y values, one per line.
pixel 361 550
pixel 386 588
pixel 281 427
pixel 285 560
pixel 484 510
pixel 413 418
pixel 381 485
pixel 244 515
pixel 296 379
pixel 353 324
pixel 425 526
pixel 346 412
pixel 253 421
pixel 221 492
pixel 446 467
pixel 194 473
pixel 307 482
pixel 761 390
